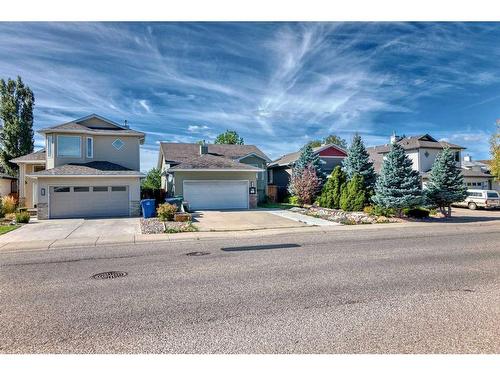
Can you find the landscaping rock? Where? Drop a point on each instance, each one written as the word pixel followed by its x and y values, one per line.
pixel 152 226
pixel 343 217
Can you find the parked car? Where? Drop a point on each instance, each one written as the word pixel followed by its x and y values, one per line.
pixel 480 198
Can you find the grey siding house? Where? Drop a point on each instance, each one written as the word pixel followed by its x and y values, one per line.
pixel 214 176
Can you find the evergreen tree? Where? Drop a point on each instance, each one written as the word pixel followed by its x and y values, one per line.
pixel 358 161
pixel 353 195
pixel 330 196
pixel 446 183
pixel 307 158
pixel 229 137
pixel 398 185
pixel 16 113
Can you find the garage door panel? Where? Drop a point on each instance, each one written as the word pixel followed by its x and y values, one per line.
pixel 225 194
pixel 88 202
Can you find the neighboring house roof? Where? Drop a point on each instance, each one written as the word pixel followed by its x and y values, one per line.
pixel 37 156
pixel 289 159
pixel 486 162
pixel 7 176
pixel 187 156
pixel 82 126
pixel 94 168
pixel 408 143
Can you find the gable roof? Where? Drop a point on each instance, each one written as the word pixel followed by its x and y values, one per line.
pixel 37 156
pixel 292 157
pixel 85 125
pixel 415 142
pixel 187 156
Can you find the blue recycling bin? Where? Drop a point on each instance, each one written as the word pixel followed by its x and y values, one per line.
pixel 148 208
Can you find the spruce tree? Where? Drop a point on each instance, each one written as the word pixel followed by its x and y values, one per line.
pixel 358 161
pixel 16 113
pixel 398 185
pixel 330 196
pixel 353 195
pixel 446 183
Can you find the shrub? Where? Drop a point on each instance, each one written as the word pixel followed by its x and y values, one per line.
pixel 23 217
pixel 10 216
pixel 8 204
pixel 331 193
pixel 369 210
pixel 306 185
pixel 382 211
pixel 353 196
pixel 293 200
pixel 166 211
pixel 417 213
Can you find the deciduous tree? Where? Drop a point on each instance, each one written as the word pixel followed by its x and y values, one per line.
pixel 16 113
pixel 229 137
pixel 306 185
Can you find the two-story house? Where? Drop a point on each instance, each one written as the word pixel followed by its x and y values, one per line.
pixel 422 150
pixel 478 173
pixel 90 167
pixel 214 176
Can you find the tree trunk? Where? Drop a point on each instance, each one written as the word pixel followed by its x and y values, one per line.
pixel 449 211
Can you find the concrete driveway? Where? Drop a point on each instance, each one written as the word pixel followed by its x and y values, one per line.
pixel 230 220
pixel 69 231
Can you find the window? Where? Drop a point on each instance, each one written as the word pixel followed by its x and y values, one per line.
pixel 492 194
pixel 61 189
pixel 118 144
pixel 99 188
pixel 49 146
pixel 68 146
pixel 81 189
pixel 457 155
pixel 270 176
pixel 38 168
pixel 118 188
pixel 90 147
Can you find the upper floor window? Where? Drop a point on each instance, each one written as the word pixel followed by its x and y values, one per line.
pixel 69 146
pixel 90 147
pixel 49 146
pixel 457 156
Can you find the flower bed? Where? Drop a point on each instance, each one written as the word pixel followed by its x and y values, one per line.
pixel 343 217
pixel 155 226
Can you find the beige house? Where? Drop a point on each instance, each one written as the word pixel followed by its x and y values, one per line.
pixel 423 150
pixel 214 176
pixel 89 168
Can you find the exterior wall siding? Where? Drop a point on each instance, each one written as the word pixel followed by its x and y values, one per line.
pixel 128 156
pixel 181 176
pixel 262 176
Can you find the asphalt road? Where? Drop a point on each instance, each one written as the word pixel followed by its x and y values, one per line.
pixel 432 289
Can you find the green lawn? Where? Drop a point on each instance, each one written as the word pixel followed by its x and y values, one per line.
pixel 7 228
pixel 283 206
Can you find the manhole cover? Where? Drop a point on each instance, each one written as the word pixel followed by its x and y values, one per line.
pixel 197 253
pixel 109 275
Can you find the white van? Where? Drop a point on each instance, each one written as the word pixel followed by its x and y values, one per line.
pixel 480 198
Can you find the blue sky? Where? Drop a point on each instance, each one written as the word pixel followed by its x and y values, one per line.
pixel 277 84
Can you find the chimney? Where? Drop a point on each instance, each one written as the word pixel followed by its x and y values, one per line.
pixel 203 148
pixel 467 158
pixel 394 137
pixel 125 124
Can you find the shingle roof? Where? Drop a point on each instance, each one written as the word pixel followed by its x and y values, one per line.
pixel 292 157
pixel 465 173
pixel 187 156
pixel 34 156
pixel 94 168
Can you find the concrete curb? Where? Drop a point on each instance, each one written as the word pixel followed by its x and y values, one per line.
pixel 69 243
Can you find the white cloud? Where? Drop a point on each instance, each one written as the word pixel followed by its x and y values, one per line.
pixel 197 128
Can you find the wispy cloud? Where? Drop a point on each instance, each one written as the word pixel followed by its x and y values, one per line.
pixel 277 84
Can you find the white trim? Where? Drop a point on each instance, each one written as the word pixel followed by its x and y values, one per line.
pixel 332 157
pixel 49 146
pixel 85 175
pixel 79 148
pixel 254 154
pixel 118 148
pixel 247 181
pixel 214 170
pixel 91 149
pixel 324 147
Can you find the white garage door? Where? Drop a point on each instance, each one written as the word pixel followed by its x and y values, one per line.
pixel 88 201
pixel 205 195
